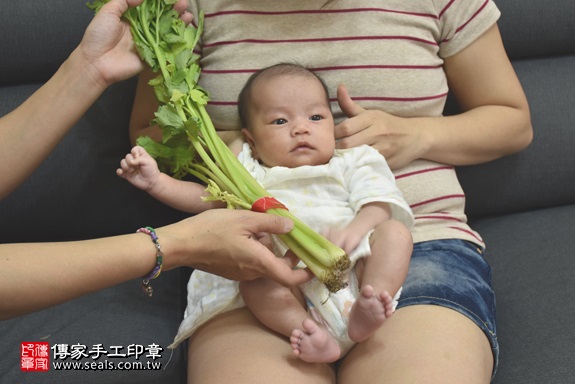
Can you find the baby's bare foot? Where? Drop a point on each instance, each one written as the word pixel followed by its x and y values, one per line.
pixel 368 313
pixel 314 344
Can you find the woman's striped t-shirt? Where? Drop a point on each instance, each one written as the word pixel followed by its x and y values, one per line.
pixel 389 54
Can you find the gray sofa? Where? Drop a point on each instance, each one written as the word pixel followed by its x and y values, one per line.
pixel 524 206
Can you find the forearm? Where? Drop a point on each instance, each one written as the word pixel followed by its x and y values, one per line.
pixel 477 136
pixel 496 119
pixel 145 105
pixel 39 275
pixel 30 132
pixel 185 196
pixel 368 217
pixel 34 276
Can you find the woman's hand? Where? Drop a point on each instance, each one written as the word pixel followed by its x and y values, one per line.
pixel 392 136
pixel 107 44
pixel 227 243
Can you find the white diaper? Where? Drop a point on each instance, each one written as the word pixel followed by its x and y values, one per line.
pixel 210 295
pixel 333 309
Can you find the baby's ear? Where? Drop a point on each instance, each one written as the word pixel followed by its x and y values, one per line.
pixel 250 140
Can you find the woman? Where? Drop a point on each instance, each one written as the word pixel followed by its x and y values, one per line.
pixel 398 60
pixel 105 56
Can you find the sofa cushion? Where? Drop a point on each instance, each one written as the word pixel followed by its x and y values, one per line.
pixel 75 193
pixel 38 38
pixel 532 28
pixel 118 316
pixel 536 177
pixel 531 255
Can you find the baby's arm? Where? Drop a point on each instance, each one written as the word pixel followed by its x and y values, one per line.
pixel 142 171
pixel 369 216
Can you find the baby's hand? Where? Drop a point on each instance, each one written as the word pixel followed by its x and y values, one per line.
pixel 345 238
pixel 139 168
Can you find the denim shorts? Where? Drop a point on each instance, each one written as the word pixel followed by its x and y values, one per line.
pixel 454 274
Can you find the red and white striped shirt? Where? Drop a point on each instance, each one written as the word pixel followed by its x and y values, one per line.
pixel 388 53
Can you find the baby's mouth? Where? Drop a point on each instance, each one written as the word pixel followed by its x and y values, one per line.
pixel 302 146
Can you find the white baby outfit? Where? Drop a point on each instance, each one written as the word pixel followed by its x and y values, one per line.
pixel 323 196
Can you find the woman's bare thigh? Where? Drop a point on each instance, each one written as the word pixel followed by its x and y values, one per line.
pixel 236 348
pixel 421 344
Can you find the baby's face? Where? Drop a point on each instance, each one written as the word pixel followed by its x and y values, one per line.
pixel 290 122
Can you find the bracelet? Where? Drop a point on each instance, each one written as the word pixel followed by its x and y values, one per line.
pixel 146 288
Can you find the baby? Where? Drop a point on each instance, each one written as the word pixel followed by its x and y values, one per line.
pixel 348 195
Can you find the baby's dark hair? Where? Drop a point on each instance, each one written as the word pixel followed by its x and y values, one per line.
pixel 274 70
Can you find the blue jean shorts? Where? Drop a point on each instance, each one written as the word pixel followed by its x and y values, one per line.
pixel 454 274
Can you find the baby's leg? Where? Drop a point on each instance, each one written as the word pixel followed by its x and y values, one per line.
pixel 368 313
pixel 314 344
pixel 381 276
pixel 283 310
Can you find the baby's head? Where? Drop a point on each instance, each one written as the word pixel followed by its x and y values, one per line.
pixel 286 117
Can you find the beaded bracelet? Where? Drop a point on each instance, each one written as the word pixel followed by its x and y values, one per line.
pixel 146 288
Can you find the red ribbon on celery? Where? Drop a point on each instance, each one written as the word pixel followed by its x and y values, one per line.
pixel 263 204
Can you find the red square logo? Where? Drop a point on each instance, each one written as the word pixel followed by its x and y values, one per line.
pixel 35 356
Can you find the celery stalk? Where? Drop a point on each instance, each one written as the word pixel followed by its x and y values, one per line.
pixel 190 142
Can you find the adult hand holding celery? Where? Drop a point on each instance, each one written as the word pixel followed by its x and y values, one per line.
pixel 190 143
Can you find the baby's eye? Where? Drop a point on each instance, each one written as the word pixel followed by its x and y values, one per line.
pixel 316 118
pixel 279 121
